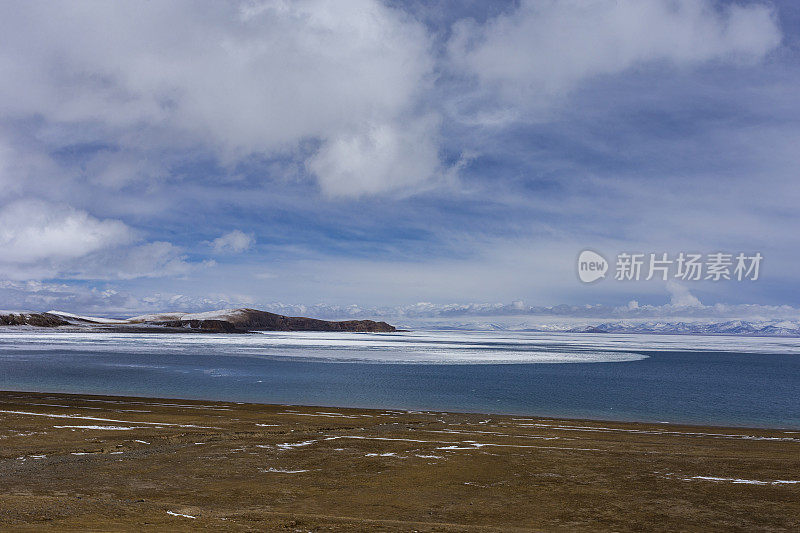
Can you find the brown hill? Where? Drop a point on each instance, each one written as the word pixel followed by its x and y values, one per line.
pixel 223 321
pixel 255 320
pixel 31 319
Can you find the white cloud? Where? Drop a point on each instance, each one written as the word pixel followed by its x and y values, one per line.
pixel 235 78
pixel 543 49
pixel 357 78
pixel 235 241
pixel 42 240
pixel 33 231
pixel 681 297
pixel 403 155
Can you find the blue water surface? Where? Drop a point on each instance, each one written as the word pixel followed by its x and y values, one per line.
pixel 714 388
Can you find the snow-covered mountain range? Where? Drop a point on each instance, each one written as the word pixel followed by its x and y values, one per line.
pixel 756 328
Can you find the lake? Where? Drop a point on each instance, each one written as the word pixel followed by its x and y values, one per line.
pixel 657 378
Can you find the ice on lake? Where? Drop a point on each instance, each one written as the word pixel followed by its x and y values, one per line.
pixel 422 347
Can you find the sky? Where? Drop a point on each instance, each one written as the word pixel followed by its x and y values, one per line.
pixel 364 154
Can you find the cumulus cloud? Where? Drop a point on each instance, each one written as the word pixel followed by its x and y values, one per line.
pixel 234 78
pixel 680 296
pixel 45 240
pixel 33 230
pixel 543 49
pixel 404 155
pixel 235 241
pixel 348 88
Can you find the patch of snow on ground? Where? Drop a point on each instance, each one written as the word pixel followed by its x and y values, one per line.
pixel 110 428
pixel 289 446
pixel 744 481
pixel 79 417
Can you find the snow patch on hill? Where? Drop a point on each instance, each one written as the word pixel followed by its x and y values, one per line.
pixel 70 317
pixel 220 314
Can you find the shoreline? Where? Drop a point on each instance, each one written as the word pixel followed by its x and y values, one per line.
pixel 76 461
pixel 565 418
pixel 568 418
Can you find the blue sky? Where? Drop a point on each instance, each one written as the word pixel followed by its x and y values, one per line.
pixel 185 155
